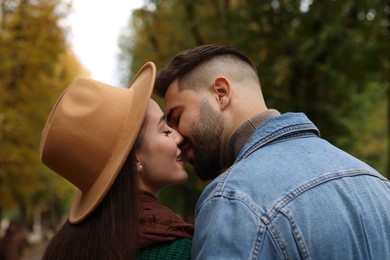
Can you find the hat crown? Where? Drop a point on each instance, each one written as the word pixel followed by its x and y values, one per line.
pixel 84 129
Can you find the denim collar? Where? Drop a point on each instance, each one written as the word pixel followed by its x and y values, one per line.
pixel 241 135
pixel 288 125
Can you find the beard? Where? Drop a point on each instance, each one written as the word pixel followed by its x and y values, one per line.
pixel 207 135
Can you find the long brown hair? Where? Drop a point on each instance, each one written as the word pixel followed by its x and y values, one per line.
pixel 110 232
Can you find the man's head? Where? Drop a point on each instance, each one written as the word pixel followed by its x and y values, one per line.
pixel 209 91
pixel 187 60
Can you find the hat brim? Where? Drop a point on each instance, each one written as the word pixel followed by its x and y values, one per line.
pixel 139 92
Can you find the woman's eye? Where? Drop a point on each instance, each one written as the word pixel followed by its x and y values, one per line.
pixel 167 132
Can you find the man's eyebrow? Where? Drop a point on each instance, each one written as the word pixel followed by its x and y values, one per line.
pixel 168 116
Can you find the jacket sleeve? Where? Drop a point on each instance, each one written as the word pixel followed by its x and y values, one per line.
pixel 228 228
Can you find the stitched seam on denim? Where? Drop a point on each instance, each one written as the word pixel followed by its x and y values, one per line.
pixel 278 134
pixel 301 243
pixel 290 137
pixel 256 211
pixel 218 189
pixel 237 197
pixel 223 179
pixel 258 242
pixel 275 236
pixel 310 184
pixel 228 195
pixel 283 132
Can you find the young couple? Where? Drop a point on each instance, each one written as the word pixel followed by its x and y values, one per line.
pixel 279 190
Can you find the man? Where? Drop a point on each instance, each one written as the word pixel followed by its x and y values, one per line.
pixel 286 193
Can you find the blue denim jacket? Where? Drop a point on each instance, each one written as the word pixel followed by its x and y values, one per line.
pixel 292 195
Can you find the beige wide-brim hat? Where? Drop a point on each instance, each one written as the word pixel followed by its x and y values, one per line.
pixel 90 132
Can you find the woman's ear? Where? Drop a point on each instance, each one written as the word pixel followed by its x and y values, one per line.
pixel 222 90
pixel 138 163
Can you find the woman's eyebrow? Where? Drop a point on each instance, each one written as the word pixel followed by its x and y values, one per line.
pixel 162 119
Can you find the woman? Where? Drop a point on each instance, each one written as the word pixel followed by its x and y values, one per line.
pixel 115 147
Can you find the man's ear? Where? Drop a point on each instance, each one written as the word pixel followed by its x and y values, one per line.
pixel 222 90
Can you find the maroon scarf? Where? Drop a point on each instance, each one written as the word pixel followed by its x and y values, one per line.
pixel 159 224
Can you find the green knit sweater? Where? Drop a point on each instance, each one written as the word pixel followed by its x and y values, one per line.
pixel 178 249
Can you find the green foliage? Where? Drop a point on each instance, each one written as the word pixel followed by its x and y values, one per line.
pixel 35 67
pixel 328 59
pixel 367 127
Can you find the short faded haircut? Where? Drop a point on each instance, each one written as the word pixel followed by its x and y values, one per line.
pixel 203 62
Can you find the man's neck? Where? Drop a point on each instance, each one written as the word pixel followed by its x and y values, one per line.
pixel 241 134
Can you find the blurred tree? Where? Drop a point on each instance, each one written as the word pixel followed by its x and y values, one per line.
pixel 328 59
pixel 35 67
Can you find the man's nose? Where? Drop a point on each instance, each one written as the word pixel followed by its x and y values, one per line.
pixel 177 137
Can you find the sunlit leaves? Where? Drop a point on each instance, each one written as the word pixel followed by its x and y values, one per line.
pixel 35 67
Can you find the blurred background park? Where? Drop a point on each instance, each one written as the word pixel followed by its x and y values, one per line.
pixel 327 58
